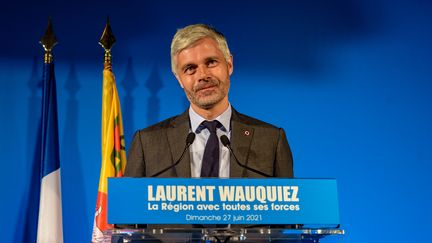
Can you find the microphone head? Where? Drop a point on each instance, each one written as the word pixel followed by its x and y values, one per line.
pixel 225 141
pixel 190 138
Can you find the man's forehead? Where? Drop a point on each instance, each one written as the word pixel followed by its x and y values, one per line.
pixel 200 41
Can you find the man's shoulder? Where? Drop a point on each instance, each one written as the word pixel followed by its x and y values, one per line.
pixel 252 121
pixel 165 124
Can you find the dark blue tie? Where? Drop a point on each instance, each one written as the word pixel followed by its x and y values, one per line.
pixel 210 162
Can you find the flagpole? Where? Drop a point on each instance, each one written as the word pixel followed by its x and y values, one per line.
pixel 50 222
pixel 112 139
pixel 107 40
pixel 48 41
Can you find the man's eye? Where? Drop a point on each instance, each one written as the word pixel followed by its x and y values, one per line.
pixel 189 70
pixel 212 63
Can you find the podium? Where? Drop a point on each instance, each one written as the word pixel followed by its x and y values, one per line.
pixel 243 235
pixel 222 210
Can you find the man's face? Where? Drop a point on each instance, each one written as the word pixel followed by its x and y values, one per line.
pixel 203 73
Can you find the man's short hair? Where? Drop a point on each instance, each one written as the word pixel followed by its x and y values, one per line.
pixel 189 35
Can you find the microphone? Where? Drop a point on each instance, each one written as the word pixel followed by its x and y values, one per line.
pixel 226 142
pixel 189 140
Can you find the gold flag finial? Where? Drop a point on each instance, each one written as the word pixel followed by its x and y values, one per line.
pixel 48 41
pixel 107 40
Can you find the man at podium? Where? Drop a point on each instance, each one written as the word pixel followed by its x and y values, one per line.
pixel 211 138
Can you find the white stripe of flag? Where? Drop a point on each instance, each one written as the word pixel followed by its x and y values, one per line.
pixel 50 226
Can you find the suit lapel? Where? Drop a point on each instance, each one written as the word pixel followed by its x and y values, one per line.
pixel 177 134
pixel 241 138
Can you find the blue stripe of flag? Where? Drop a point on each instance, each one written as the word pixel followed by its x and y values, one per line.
pixel 50 157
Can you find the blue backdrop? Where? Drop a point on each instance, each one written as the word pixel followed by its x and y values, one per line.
pixel 350 81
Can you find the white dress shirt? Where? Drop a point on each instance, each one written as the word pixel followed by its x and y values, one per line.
pixel 198 146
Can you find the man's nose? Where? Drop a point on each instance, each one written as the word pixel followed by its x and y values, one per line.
pixel 203 72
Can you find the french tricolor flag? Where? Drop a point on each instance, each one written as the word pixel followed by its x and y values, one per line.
pixel 50 226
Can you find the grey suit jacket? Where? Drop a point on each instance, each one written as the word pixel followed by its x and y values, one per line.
pixel 257 144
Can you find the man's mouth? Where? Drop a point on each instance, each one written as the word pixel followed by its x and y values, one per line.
pixel 208 87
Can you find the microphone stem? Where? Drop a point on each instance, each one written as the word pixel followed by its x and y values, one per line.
pixel 173 165
pixel 245 166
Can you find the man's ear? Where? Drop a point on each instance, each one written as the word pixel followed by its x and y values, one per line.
pixel 230 65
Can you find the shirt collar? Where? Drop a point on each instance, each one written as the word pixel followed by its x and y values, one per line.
pixel 224 119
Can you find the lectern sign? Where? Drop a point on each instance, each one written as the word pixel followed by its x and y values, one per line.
pixel 222 201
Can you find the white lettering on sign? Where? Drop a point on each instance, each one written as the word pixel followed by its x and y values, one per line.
pixel 194 193
pixel 262 194
pixel 180 193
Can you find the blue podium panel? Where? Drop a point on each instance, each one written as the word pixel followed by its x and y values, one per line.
pixel 222 201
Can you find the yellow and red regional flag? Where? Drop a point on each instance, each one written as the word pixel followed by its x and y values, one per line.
pixel 113 150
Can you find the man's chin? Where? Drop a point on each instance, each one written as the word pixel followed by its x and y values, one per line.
pixel 207 104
